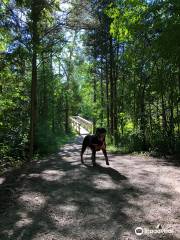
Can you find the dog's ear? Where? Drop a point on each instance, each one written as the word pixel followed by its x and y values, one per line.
pixel 98 131
pixel 103 130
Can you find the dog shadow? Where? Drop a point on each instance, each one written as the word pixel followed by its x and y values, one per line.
pixel 113 173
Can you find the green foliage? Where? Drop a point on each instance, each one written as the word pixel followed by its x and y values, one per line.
pixel 126 16
pixel 87 107
pixel 125 77
pixel 13 116
pixel 15 81
pixel 49 142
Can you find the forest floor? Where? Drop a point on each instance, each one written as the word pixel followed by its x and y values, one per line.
pixel 57 198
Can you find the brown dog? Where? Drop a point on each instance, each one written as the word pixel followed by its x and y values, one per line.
pixel 96 143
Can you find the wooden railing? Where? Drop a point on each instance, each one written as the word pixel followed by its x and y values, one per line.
pixel 77 122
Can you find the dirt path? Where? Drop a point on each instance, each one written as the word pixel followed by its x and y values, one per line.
pixel 58 198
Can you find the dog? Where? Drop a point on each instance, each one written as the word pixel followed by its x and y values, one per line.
pixel 96 143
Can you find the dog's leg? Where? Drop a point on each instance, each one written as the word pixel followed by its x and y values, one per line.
pixel 93 157
pixel 84 146
pixel 105 155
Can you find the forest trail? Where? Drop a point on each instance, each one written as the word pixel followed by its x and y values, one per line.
pixel 57 198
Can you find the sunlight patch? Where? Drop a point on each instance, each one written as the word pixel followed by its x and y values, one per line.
pixel 34 175
pixel 62 220
pixel 32 200
pixel 22 214
pixel 23 222
pixel 177 187
pixel 104 183
pixel 51 236
pixel 69 207
pixel 62 210
pixel 2 179
pixel 52 175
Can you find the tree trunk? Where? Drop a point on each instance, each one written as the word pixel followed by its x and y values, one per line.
pixel 115 99
pixel 171 121
pixel 66 114
pixel 102 95
pixel 45 99
pixel 142 119
pixel 142 90
pixel 107 96
pixel 111 65
pixel 33 116
pixel 94 100
pixel 53 103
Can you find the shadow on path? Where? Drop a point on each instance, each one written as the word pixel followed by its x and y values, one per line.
pixel 57 198
pixel 113 173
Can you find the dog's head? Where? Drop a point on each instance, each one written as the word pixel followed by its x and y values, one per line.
pixel 101 133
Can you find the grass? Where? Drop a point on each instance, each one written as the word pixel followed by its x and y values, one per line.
pixel 54 143
pixel 114 149
pixel 125 150
pixel 65 138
